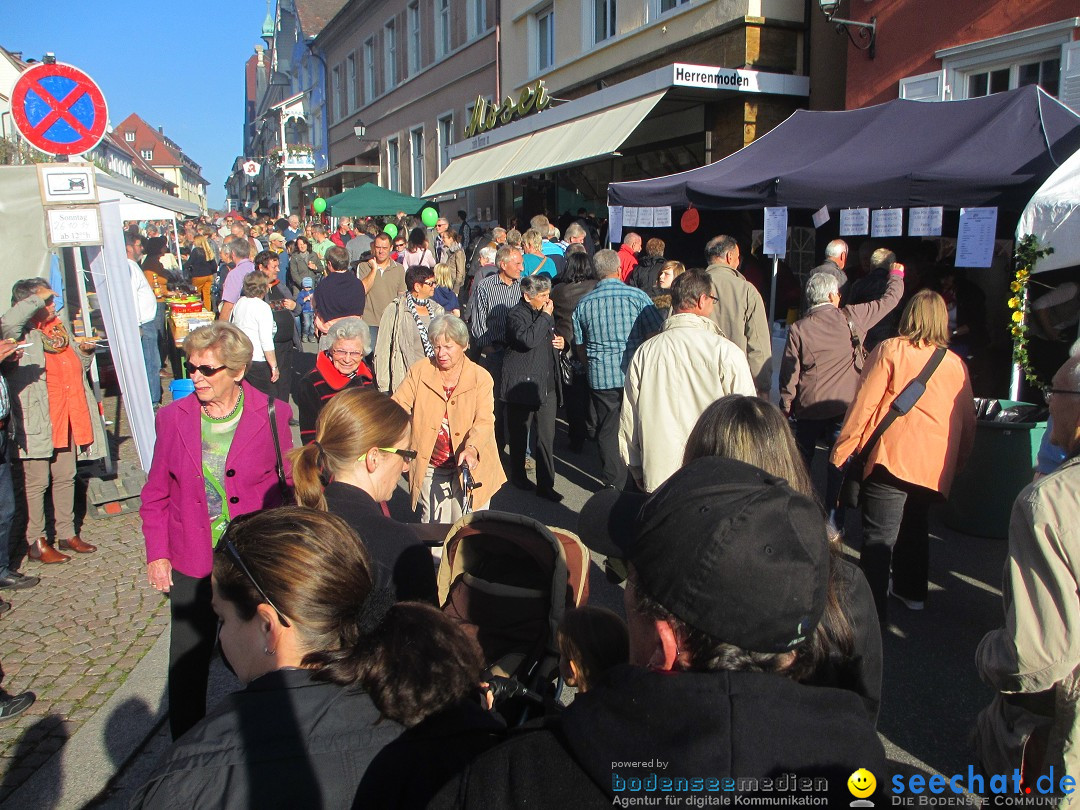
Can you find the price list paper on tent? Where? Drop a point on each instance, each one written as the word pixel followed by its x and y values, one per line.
pixel 975 238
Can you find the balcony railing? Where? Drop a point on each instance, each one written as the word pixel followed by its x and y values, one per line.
pixel 296 158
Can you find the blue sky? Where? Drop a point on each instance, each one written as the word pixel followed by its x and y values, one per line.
pixel 178 65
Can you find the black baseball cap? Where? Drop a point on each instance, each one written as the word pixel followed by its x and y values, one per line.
pixel 727 548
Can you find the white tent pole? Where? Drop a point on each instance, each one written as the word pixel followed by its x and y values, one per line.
pixel 95 377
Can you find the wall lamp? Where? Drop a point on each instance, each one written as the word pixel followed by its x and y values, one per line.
pixel 359 130
pixel 867 31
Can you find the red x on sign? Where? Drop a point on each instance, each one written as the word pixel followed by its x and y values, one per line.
pixel 59 109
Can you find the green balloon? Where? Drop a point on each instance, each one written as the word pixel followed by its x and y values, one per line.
pixel 390 229
pixel 429 216
pixel 319 205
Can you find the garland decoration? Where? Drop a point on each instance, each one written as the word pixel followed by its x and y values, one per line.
pixel 1027 254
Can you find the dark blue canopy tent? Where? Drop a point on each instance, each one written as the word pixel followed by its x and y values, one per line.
pixel 991 151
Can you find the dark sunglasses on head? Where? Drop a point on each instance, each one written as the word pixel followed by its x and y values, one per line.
pixel 206 371
pixel 230 549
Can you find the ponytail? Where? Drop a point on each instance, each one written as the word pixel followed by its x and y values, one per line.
pixel 309 477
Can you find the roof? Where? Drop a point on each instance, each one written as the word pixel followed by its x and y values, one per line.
pixel 315 14
pixel 990 151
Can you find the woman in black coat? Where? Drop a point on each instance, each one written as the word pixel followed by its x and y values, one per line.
pixel 531 385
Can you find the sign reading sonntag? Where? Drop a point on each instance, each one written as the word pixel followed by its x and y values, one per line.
pixel 740 81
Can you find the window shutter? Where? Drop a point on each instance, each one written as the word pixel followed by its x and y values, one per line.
pixel 924 87
pixel 1069 88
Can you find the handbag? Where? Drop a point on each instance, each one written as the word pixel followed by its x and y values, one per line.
pixel 283 486
pixel 904 402
pixel 566 368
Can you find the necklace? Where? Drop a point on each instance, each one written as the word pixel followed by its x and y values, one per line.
pixel 230 414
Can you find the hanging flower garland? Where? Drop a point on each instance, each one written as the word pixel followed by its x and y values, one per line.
pixel 1027 254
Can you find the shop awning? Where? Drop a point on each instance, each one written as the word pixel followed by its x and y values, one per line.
pixel 565 144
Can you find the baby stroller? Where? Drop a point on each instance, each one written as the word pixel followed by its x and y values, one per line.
pixel 509 579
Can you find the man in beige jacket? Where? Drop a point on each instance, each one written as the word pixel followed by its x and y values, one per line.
pixel 1034 660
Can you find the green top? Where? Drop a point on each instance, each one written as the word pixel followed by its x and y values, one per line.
pixel 217 436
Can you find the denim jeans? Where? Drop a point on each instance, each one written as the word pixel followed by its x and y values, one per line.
pixel 7 506
pixel 807 434
pixel 148 336
pixel 307 324
pixel 896 537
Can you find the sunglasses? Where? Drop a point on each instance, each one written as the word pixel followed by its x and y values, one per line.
pixel 206 371
pixel 229 547
pixel 49 300
pixel 408 455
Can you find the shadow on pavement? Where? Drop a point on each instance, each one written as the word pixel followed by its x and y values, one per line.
pixel 35 748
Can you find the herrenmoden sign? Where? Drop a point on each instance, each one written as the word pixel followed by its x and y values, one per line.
pixel 486 116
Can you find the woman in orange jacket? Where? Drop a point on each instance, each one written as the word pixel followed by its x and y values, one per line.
pixel 915 459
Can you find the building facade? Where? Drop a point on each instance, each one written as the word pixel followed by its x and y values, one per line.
pixel 405 74
pixel 929 51
pixel 165 156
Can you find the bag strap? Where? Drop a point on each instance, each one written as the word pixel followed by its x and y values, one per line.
pixel 283 487
pixel 893 414
pixel 856 342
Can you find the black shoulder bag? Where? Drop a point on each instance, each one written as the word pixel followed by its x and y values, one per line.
pixel 904 402
pixel 283 487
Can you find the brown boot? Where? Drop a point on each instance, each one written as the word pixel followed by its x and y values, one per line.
pixel 44 553
pixel 77 545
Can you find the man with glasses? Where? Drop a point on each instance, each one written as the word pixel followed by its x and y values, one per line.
pixel 673 378
pixel 1034 660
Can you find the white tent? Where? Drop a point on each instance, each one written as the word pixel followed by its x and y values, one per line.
pixel 1053 215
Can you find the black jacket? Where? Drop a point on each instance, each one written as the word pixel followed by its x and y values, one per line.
pixel 697 725
pixel 644 275
pixel 284 741
pixel 401 559
pixel 198 265
pixel 529 373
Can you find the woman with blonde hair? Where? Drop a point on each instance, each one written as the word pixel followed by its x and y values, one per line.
pixel 444 290
pixel 201 266
pixel 913 461
pixel 361 447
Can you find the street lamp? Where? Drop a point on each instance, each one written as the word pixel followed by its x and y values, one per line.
pixel 359 130
pixel 867 30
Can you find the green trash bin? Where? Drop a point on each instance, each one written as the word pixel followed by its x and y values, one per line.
pixel 1002 463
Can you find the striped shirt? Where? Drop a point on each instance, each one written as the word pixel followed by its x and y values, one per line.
pixel 611 322
pixel 494 300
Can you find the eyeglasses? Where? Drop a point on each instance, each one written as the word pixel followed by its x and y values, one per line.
pixel 206 371
pixel 715 299
pixel 429 283
pixel 227 544
pixel 343 354
pixel 408 455
pixel 1050 392
pixel 399 244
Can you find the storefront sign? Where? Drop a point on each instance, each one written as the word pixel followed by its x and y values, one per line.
pixel 487 116
pixel 741 81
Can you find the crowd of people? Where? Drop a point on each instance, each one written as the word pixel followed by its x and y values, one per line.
pixel 444 356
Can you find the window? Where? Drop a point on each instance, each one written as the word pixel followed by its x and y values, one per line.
pixel 477 17
pixel 545 38
pixel 393 164
pixel 416 138
pixel 336 111
pixel 129 137
pixel 147 154
pixel 414 38
pixel 663 6
pixel 390 54
pixel 442 28
pixel 603 20
pixel 350 82
pixel 369 70
pixel 1044 72
pixel 446 138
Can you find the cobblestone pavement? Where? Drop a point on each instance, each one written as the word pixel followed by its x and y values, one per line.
pixel 74 638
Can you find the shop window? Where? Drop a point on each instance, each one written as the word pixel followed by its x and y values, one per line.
pixel 603 20
pixel 545 38
pixel 390 54
pixel 393 164
pixel 414 38
pixel 442 28
pixel 416 138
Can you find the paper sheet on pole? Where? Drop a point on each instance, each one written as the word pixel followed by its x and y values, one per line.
pixel 925 221
pixel 645 217
pixel 887 222
pixel 629 217
pixel 615 214
pixel 854 222
pixel 775 241
pixel 662 217
pixel 975 238
pixel 821 216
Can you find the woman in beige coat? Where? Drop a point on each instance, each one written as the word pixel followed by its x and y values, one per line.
pixel 914 461
pixel 452 405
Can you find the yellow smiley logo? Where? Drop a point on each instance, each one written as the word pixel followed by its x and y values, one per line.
pixel 861 783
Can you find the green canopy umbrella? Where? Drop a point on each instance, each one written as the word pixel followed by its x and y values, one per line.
pixel 370 200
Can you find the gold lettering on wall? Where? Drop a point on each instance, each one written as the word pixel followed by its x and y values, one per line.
pixel 485 116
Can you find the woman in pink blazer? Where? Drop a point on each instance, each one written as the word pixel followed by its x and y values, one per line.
pixel 914 461
pixel 215 459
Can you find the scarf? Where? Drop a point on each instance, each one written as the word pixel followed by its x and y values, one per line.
pixel 411 303
pixel 54 336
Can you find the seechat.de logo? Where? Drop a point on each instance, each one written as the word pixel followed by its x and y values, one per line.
pixel 862 783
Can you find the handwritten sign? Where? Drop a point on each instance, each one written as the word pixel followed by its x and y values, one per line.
pixel 887 222
pixel 924 221
pixel 855 222
pixel 71 226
